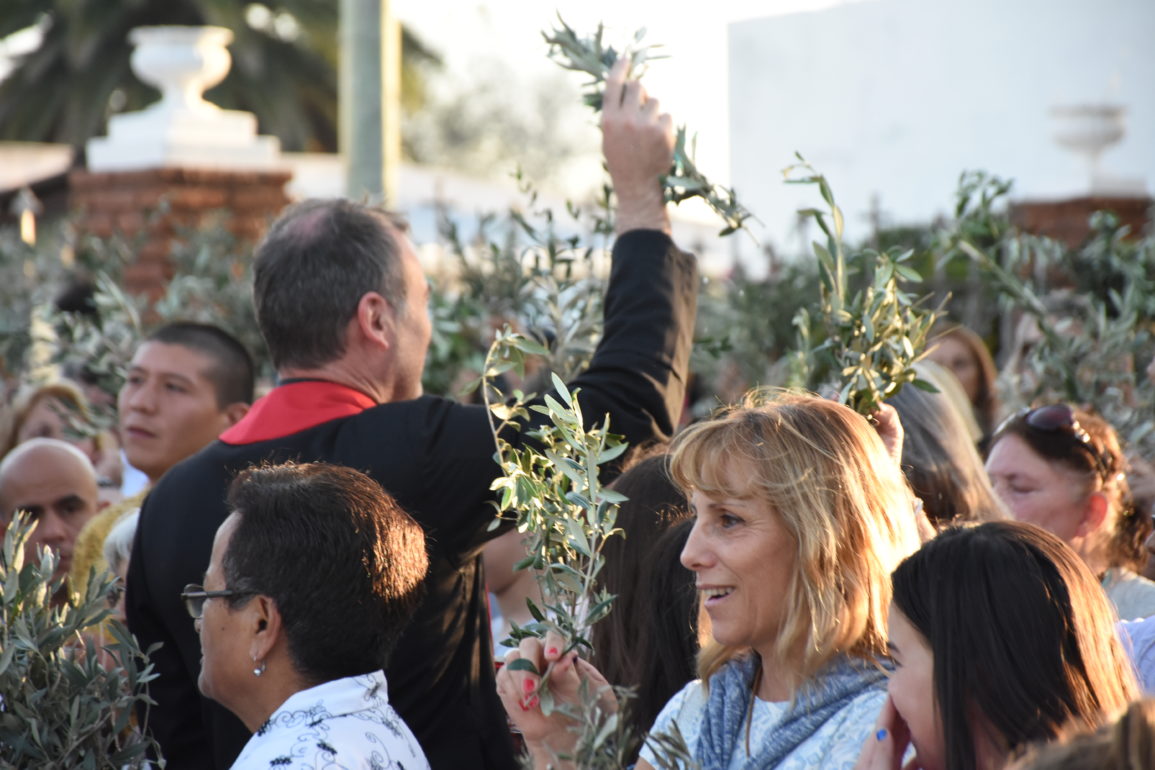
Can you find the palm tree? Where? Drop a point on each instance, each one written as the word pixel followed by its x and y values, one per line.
pixel 284 66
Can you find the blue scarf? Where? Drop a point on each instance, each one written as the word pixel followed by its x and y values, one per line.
pixel 724 721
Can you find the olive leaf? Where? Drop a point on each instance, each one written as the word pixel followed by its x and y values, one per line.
pixel 61 705
pixel 870 330
pixel 1093 305
pixel 593 57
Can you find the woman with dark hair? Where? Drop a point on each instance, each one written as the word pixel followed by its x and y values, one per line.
pixel 965 354
pixel 650 640
pixel 1062 468
pixel 1000 638
pixel 800 514
pixel 312 579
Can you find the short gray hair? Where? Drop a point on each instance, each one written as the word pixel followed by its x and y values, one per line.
pixel 317 261
pixel 118 543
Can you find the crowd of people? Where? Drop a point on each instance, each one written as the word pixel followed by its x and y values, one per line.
pixel 799 586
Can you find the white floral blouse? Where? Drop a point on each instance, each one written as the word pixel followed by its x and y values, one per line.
pixel 339 725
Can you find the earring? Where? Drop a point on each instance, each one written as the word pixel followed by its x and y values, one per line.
pixel 260 667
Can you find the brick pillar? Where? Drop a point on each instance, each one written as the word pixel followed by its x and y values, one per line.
pixel 1067 220
pixel 128 203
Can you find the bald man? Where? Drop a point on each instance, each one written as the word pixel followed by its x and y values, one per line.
pixel 55 482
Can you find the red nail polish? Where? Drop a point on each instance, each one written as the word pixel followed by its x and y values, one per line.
pixel 532 703
pixel 552 652
pixel 528 686
pixel 523 706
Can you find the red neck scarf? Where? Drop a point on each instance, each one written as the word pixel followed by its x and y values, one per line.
pixel 296 406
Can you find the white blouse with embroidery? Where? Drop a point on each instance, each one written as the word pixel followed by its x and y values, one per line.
pixel 339 725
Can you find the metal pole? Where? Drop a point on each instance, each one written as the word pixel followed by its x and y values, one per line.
pixel 370 99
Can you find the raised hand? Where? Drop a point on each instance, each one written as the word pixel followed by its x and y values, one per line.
pixel 638 144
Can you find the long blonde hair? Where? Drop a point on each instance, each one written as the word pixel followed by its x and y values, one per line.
pixel 825 471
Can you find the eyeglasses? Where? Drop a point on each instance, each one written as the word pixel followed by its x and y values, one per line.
pixel 194 597
pixel 1060 418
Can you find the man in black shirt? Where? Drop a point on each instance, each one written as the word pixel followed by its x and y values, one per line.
pixel 341 301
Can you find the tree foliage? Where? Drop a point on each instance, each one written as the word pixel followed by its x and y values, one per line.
pixel 61 705
pixel 284 66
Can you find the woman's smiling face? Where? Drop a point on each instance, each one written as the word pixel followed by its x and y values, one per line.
pixel 744 559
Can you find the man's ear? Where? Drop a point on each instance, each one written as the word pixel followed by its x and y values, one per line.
pixel 1094 514
pixel 264 626
pixel 375 319
pixel 235 411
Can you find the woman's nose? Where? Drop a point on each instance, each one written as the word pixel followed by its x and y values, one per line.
pixel 694 551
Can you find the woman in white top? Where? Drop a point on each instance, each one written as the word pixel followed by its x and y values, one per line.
pixel 311 581
pixel 800 515
pixel 1062 469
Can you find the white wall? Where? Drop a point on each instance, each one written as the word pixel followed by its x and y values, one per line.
pixel 897 97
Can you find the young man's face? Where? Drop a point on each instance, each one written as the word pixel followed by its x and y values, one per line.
pixel 168 407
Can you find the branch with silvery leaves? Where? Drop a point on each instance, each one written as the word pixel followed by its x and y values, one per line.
pixel 595 58
pixel 872 336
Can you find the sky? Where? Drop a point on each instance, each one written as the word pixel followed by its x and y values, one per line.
pixel 692 84
pixel 695 84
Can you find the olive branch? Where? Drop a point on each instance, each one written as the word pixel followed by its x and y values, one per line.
pixel 60 704
pixel 551 484
pixel 593 57
pixel 870 337
pixel 1091 357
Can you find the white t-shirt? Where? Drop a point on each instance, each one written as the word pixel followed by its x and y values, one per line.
pixel 1133 595
pixel 1139 639
pixel 834 746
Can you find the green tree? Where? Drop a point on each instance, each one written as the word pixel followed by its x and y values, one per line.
pixel 284 66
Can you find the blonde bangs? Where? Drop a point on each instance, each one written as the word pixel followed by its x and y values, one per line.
pixel 704 455
pixel 826 473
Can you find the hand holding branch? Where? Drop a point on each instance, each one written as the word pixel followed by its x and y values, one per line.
pixel 638 144
pixel 551 736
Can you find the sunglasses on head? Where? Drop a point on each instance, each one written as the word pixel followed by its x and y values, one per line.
pixel 1060 418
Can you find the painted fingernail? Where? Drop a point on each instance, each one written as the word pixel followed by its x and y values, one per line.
pixel 532 703
pixel 552 651
pixel 527 686
pixel 880 735
pixel 523 706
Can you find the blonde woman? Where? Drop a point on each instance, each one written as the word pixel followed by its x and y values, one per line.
pixel 800 516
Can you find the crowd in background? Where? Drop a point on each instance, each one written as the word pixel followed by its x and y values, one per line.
pixel 941 583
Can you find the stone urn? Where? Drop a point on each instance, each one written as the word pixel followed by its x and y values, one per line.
pixel 182 129
pixel 183 62
pixel 1088 130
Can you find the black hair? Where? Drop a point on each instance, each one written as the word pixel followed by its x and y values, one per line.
pixel 232 372
pixel 344 564
pixel 650 640
pixel 940 461
pixel 1021 634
